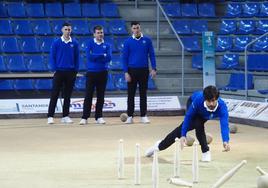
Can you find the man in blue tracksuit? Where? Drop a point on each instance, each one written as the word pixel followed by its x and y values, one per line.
pixel 64 60
pixel 98 56
pixel 136 51
pixel 201 106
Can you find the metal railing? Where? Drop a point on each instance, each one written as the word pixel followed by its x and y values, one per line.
pixel 159 7
pixel 246 63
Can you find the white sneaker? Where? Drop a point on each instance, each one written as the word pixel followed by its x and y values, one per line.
pixel 66 120
pixel 145 119
pixel 50 120
pixel 100 121
pixel 206 157
pixel 129 120
pixel 83 122
pixel 150 151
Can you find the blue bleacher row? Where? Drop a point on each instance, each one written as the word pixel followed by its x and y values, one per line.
pixel 176 10
pixel 248 9
pixel 227 43
pixel 56 9
pixel 39 63
pixel 53 27
pixel 32 44
pixel 115 82
pixel 256 62
pixel 243 27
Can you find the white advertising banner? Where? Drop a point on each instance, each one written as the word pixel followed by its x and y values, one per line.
pixel 25 106
pixel 120 104
pixel 247 109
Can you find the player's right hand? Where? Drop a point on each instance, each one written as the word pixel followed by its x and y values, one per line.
pixel 127 77
pixel 183 142
pixel 226 146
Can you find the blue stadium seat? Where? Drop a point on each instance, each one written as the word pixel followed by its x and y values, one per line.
pixel 53 10
pixel 83 43
pixel 6 28
pixel 110 86
pixel 10 45
pixel 224 43
pixel 22 27
pixel 263 91
pixel 199 26
pixel 72 10
pixel 41 27
pixel 237 82
pixel 29 45
pixel 260 45
pixel 189 10
pixel 229 61
pixel 261 27
pixel 111 41
pixel 233 10
pixel 35 63
pixel 43 84
pixel 246 27
pixel 80 83
pixel 118 27
pixel 151 84
pixel 82 64
pixel 191 44
pixel 57 26
pixel 3 10
pixel 182 26
pixel 206 10
pixel 120 43
pixel 45 43
pixel 6 85
pixel 263 9
pixel 120 81
pixel 109 10
pixel 35 10
pixel 3 67
pixel 80 27
pixel 228 27
pixel 16 9
pixel 172 9
pixel 23 84
pixel 16 63
pixel 102 23
pixel 250 9
pixel 197 61
pixel 115 63
pixel 240 43
pixel 90 10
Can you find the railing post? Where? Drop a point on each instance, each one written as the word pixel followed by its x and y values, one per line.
pixel 157 29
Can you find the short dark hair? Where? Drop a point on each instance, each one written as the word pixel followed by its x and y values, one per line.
pixel 97 27
pixel 134 23
pixel 211 92
pixel 66 24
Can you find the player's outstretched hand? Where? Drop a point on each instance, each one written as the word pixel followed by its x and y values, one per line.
pixel 183 142
pixel 226 146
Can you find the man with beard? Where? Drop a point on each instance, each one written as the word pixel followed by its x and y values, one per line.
pixel 201 106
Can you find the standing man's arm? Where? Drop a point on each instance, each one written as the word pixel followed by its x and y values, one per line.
pixel 76 57
pixel 52 59
pixel 93 57
pixel 152 59
pixel 224 122
pixel 108 54
pixel 125 61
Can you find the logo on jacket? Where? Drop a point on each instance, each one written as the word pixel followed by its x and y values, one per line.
pixel 72 45
pixel 144 41
pixel 104 46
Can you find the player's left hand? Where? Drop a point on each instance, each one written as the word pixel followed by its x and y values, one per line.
pixel 153 73
pixel 226 146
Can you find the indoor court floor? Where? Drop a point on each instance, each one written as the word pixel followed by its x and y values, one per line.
pixel 36 155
